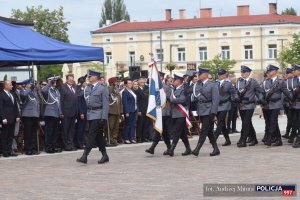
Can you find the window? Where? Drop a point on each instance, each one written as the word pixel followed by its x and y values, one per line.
pixel 132 58
pixel 247 33
pixel 224 34
pixel 107 40
pixel 202 35
pixel 272 51
pixel 225 52
pixel 131 38
pixel 108 57
pixel 271 32
pixel 248 52
pixel 180 36
pixel 181 54
pixel 203 53
pixel 160 55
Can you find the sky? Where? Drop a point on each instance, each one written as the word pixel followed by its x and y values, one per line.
pixel 84 15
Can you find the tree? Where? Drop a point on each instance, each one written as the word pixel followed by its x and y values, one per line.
pixel 217 63
pixel 114 10
pixel 5 77
pixel 289 11
pixel 49 70
pixel 170 67
pixel 290 54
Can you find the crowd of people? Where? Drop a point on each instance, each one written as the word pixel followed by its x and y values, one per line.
pixel 93 113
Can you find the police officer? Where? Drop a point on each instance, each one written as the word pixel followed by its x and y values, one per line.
pixel 248 90
pixel 206 94
pixel 96 97
pixel 179 114
pixel 52 113
pixel 166 118
pixel 227 94
pixel 30 115
pixel 273 88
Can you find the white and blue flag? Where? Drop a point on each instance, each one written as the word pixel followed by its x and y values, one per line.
pixel 157 98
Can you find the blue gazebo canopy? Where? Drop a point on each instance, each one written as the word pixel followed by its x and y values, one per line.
pixel 21 46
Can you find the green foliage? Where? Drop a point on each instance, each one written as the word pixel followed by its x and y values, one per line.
pixel 47 70
pixel 5 77
pixel 289 11
pixel 49 23
pixel 114 10
pixel 217 63
pixel 170 66
pixel 290 54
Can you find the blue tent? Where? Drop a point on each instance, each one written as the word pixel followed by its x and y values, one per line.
pixel 21 46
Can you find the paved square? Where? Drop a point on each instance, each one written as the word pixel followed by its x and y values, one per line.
pixel 133 174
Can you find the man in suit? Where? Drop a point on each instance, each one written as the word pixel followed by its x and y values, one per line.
pixel 206 94
pixel 233 113
pixel 96 97
pixel 30 116
pixel 273 88
pixel 166 119
pixel 82 112
pixel 227 94
pixel 143 122
pixel 9 115
pixel 53 113
pixel 68 101
pixel 249 91
pixel 178 100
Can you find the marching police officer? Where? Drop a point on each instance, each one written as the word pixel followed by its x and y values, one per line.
pixel 248 90
pixel 30 115
pixel 206 94
pixel 180 117
pixel 227 94
pixel 96 97
pixel 273 89
pixel 52 113
pixel 166 118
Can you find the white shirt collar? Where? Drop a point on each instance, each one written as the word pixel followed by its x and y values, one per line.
pixel 95 84
pixel 179 86
pixel 204 81
pixel 7 92
pixel 222 81
pixel 274 78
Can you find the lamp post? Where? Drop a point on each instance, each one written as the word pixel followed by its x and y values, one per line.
pixel 172 45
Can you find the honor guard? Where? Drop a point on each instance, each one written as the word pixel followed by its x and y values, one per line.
pixel 52 113
pixel 227 94
pixel 286 104
pixel 206 94
pixel 249 91
pixel 166 118
pixel 96 97
pixel 273 88
pixel 180 116
pixel 30 116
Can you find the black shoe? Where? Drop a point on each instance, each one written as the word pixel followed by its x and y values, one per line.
pixel 151 149
pixel 170 151
pixel 253 143
pixel 68 149
pixel 291 140
pixel 286 136
pixel 195 152
pixel 241 144
pixel 227 143
pixel 248 140
pixel 277 143
pixel 34 152
pixel 104 158
pixel 188 151
pixel 235 131
pixel 216 150
pixel 50 151
pixel 83 158
pixel 166 152
pixel 29 153
pixel 13 154
pixel 5 155
pixel 57 150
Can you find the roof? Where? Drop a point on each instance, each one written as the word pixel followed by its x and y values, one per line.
pixel 16 21
pixel 125 26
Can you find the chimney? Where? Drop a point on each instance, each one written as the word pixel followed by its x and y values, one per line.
pixel 168 14
pixel 205 13
pixel 243 10
pixel 272 8
pixel 182 14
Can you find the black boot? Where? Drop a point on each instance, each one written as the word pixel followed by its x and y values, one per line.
pixel 188 150
pixel 151 149
pixel 287 134
pixel 166 151
pixel 227 142
pixel 170 151
pixel 195 152
pixel 242 144
pixel 104 158
pixel 277 143
pixel 253 143
pixel 297 142
pixel 291 140
pixel 216 150
pixel 83 158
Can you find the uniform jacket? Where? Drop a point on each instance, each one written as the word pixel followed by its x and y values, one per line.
pixel 68 101
pixel 207 98
pixel 52 98
pixel 115 107
pixel 227 94
pixel 128 101
pixel 96 98
pixel 142 99
pixel 31 103
pixel 180 99
pixel 8 109
pixel 166 111
pixel 81 104
pixel 292 84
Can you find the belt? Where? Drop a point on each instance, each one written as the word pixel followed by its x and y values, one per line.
pixel 94 108
pixel 224 101
pixel 247 102
pixel 207 101
pixel 274 100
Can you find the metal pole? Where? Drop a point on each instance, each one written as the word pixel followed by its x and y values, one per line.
pixel 170 53
pixel 160 51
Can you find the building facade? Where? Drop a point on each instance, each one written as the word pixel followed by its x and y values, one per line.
pixel 252 40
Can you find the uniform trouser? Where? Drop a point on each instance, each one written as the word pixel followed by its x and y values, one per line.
pixel 68 124
pixel 114 125
pixel 53 126
pixel 272 129
pixel 30 132
pixel 179 130
pixel 129 126
pixel 165 133
pixel 232 117
pixel 95 137
pixel 296 123
pixel 207 130
pixel 7 136
pixel 267 121
pixel 247 126
pixel 143 127
pixel 221 126
pixel 81 124
pixel 289 116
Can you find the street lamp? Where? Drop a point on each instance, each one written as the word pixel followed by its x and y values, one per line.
pixel 172 45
